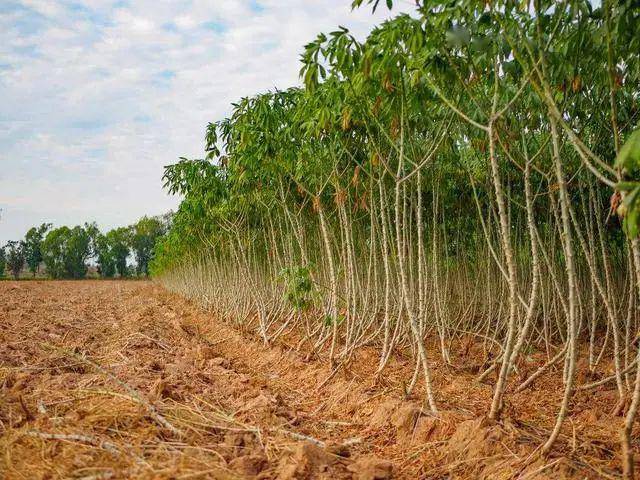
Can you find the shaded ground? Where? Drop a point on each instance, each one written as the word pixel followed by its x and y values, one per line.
pixel 102 379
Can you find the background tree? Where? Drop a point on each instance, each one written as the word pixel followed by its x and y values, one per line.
pixel 33 246
pixel 65 251
pixel 53 248
pixel 144 235
pixel 93 232
pixel 119 240
pixel 112 252
pixel 3 261
pixel 79 249
pixel 104 257
pixel 15 257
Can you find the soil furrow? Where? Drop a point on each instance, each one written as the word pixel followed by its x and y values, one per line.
pixel 108 379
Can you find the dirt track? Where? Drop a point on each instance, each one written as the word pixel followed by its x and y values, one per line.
pixel 104 379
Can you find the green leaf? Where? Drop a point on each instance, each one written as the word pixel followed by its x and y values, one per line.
pixel 629 155
pixel 480 44
pixel 626 186
pixel 631 223
pixel 632 215
pixel 458 36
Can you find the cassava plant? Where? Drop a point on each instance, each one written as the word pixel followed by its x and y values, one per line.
pixel 466 175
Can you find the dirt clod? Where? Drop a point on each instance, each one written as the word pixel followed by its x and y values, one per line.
pixel 308 461
pixel 405 419
pixel 249 464
pixel 371 468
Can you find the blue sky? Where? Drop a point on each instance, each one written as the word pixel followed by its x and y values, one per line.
pixel 96 97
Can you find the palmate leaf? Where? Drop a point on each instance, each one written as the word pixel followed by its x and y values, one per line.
pixel 629 160
pixel 631 206
pixel 358 3
pixel 629 156
pixel 458 36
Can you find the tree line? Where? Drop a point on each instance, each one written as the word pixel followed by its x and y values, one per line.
pixel 67 252
pixel 467 175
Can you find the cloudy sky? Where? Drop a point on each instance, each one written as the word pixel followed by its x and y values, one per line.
pixel 96 97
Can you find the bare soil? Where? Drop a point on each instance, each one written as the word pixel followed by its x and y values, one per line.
pixel 111 379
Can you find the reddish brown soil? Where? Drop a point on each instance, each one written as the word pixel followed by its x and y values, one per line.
pixel 124 380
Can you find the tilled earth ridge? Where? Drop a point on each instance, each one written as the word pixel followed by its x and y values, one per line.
pixel 115 379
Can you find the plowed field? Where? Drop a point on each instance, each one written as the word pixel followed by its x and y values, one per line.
pixel 109 379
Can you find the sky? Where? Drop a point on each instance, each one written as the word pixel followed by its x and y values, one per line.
pixel 96 97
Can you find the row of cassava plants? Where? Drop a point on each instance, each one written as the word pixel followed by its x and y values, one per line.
pixel 465 172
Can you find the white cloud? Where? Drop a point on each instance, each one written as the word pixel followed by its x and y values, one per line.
pixel 98 96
